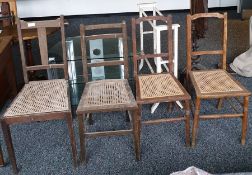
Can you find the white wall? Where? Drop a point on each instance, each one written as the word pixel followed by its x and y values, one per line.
pixel 39 8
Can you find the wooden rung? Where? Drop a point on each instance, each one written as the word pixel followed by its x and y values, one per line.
pixel 41 67
pixel 212 52
pixel 219 116
pixel 104 36
pixel 157 121
pixel 106 63
pixel 108 133
pixel 103 26
pixel 152 55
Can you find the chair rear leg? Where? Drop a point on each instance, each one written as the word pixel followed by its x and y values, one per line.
pixel 82 138
pixel 136 133
pixel 195 122
pixel 90 119
pixel 244 120
pixel 127 119
pixel 1 157
pixel 72 138
pixel 220 103
pixel 187 122
pixel 8 141
pixel 170 107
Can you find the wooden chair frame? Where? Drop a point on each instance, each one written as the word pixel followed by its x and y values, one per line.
pixel 185 97
pixel 61 115
pixel 217 95
pixel 86 112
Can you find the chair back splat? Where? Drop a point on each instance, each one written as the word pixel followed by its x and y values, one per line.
pixel 168 55
pixel 191 53
pixel 41 27
pixel 85 38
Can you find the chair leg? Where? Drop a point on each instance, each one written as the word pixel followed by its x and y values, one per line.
pixel 90 119
pixel 187 122
pixel 244 120
pixel 170 107
pixel 8 141
pixel 1 157
pixel 127 119
pixel 136 133
pixel 220 102
pixel 82 138
pixel 72 138
pixel 195 121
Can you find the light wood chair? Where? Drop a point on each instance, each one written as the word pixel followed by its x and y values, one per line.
pixel 215 83
pixel 159 87
pixel 40 100
pixel 106 95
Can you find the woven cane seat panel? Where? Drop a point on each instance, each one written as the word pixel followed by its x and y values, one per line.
pixel 106 92
pixel 215 81
pixel 40 97
pixel 161 85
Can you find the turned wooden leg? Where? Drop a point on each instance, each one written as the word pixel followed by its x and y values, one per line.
pixel 72 138
pixel 82 137
pixel 8 141
pixel 195 121
pixel 187 122
pixel 244 120
pixel 136 133
pixel 1 157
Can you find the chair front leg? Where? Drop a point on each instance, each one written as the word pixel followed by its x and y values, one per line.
pixel 72 138
pixel 8 141
pixel 187 122
pixel 195 121
pixel 244 120
pixel 82 137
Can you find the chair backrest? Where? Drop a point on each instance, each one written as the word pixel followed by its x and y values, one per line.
pixel 168 54
pixel 41 27
pixel 105 35
pixel 191 53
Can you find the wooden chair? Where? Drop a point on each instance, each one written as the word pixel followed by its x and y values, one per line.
pixel 10 13
pixel 160 87
pixel 106 95
pixel 40 100
pixel 214 84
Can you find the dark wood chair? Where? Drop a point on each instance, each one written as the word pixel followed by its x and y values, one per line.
pixel 40 100
pixel 215 83
pixel 160 87
pixel 106 95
